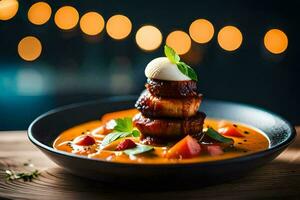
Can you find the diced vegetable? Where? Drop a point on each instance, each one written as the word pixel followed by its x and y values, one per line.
pixel 230 131
pixel 126 144
pixel 217 136
pixel 188 147
pixel 214 149
pixel 84 140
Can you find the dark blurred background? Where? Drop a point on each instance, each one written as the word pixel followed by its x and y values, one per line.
pixel 74 66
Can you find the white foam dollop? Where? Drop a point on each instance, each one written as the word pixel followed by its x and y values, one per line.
pixel 162 69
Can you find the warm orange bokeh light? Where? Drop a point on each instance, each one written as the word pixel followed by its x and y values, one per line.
pixel 230 38
pixel 29 48
pixel 92 23
pixel 66 17
pixel 118 27
pixel 148 38
pixel 179 41
pixel 8 9
pixel 201 31
pixel 276 41
pixel 39 13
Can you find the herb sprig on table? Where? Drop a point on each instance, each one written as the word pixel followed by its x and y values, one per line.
pixel 25 176
pixel 175 59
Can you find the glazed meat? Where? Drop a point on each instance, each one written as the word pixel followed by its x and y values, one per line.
pixel 152 106
pixel 169 128
pixel 172 89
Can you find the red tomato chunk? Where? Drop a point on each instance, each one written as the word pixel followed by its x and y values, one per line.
pixel 84 140
pixel 126 144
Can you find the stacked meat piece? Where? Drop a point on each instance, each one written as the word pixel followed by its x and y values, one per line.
pixel 169 110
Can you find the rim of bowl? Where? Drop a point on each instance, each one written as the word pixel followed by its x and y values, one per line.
pixel 251 156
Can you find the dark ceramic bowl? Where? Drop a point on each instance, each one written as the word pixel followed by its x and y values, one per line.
pixel 43 131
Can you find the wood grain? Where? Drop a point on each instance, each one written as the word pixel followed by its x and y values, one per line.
pixel 279 179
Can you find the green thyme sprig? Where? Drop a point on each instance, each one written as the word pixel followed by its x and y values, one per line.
pixel 25 176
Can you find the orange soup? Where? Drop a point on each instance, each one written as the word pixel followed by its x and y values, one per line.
pixel 75 141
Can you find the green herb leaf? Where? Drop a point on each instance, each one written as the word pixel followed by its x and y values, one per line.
pixel 217 136
pixel 136 133
pixel 123 128
pixel 113 137
pixel 140 148
pixel 187 70
pixel 171 54
pixel 123 125
pixel 26 176
pixel 184 68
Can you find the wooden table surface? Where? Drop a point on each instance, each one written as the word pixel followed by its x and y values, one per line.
pixel 279 179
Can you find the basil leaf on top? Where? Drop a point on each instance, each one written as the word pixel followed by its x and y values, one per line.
pixel 184 68
pixel 140 148
pixel 217 136
pixel 190 72
pixel 171 54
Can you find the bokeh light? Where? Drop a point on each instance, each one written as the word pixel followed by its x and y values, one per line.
pixel 92 23
pixel 230 38
pixel 29 48
pixel 201 31
pixel 118 27
pixel 8 9
pixel 39 13
pixel 276 41
pixel 148 38
pixel 66 17
pixel 179 41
